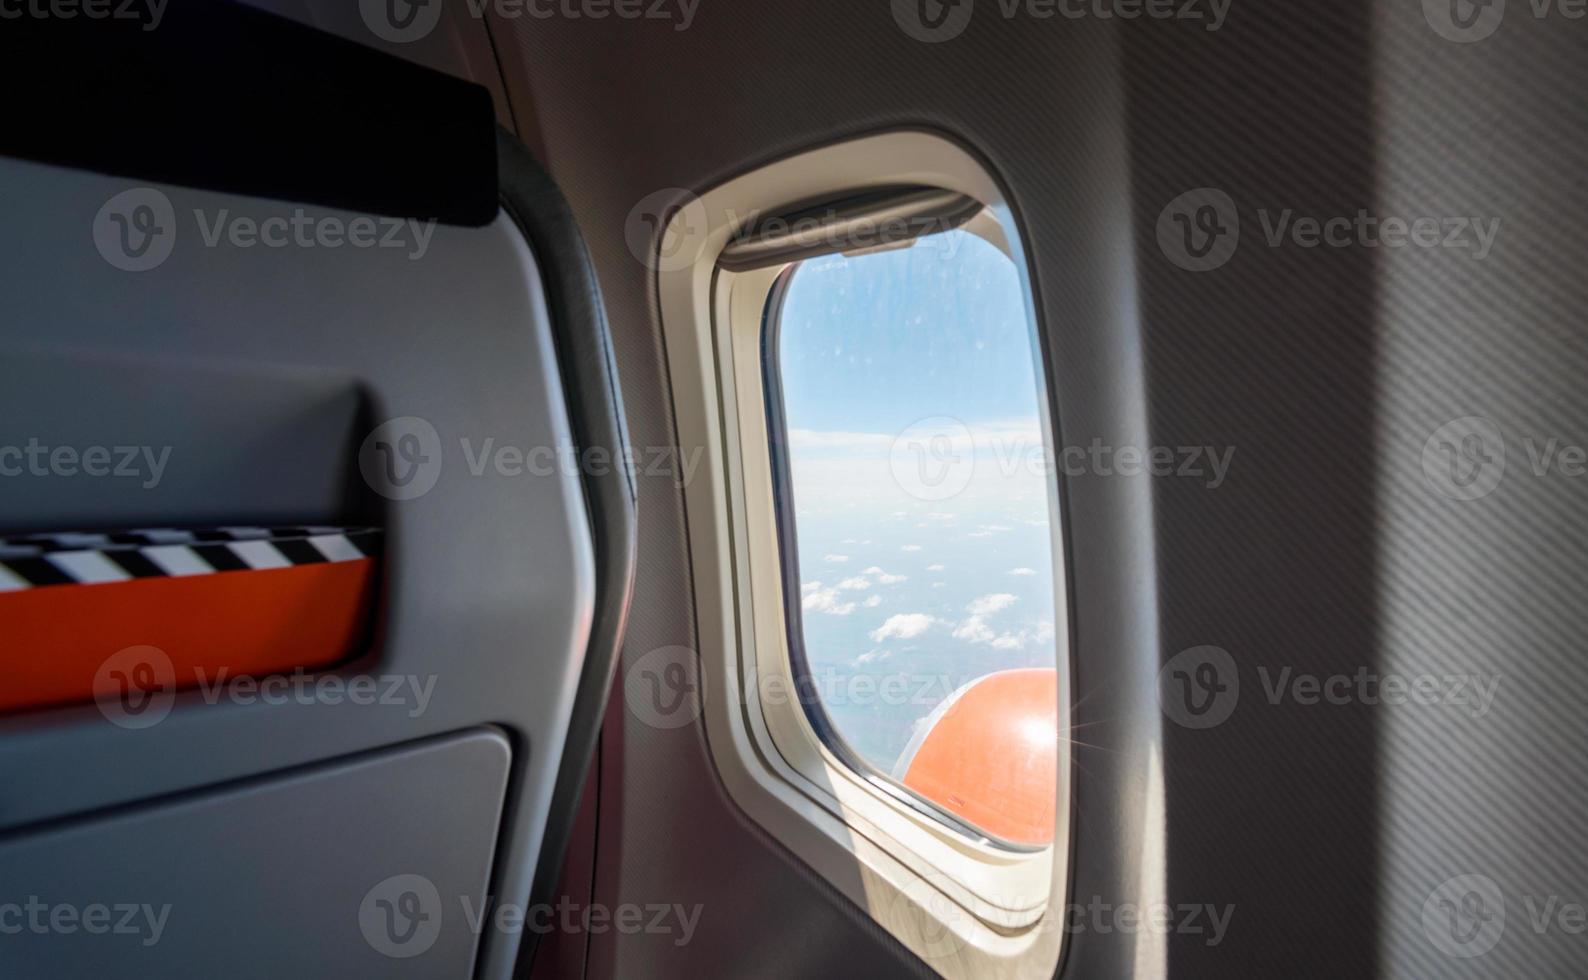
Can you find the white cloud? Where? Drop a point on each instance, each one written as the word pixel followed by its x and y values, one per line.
pixel 883 577
pixel 873 602
pixel 878 653
pixel 836 558
pixel 858 582
pixel 903 626
pixel 911 547
pixel 844 469
pixel 825 601
pixel 1022 571
pixel 988 530
pixel 975 628
pixel 989 604
pixel 1010 436
pixel 934 568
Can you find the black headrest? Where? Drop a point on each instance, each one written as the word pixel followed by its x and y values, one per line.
pixel 220 96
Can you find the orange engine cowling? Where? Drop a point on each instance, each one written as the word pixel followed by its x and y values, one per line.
pixel 989 755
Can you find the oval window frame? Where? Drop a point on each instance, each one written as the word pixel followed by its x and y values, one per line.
pixel 966 907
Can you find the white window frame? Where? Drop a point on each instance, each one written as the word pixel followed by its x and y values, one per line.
pixel 967 907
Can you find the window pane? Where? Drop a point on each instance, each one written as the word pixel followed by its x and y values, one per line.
pixel 917 498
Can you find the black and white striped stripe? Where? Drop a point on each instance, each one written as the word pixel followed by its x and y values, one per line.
pixel 39 560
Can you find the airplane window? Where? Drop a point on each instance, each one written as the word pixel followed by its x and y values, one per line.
pixel 913 482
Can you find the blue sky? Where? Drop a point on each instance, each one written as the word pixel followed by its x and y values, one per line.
pixel 936 329
pixel 927 590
